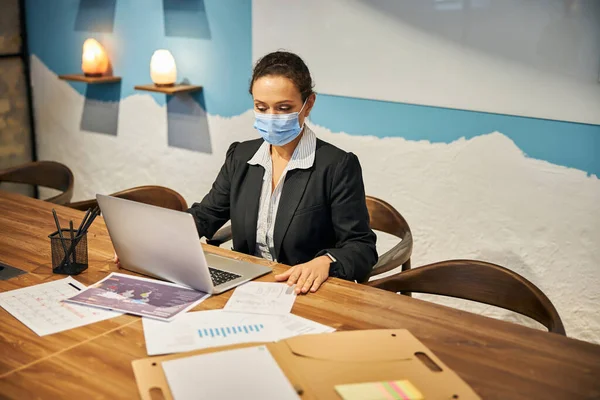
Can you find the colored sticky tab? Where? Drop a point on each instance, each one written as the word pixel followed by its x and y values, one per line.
pixel 387 390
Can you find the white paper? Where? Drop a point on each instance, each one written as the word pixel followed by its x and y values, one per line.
pixel 250 373
pixel 262 298
pixel 42 310
pixel 212 328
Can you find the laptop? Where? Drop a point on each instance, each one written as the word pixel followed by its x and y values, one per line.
pixel 164 244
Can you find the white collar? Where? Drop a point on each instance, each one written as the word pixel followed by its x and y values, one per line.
pixel 302 158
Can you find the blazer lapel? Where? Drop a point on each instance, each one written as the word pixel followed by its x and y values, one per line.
pixel 253 182
pixel 293 190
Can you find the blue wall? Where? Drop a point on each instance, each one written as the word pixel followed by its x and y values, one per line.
pixel 131 30
pixel 211 41
pixel 563 143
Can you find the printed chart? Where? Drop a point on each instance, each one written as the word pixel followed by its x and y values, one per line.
pixel 211 328
pixel 230 330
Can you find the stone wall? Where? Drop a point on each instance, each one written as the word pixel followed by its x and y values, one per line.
pixel 15 136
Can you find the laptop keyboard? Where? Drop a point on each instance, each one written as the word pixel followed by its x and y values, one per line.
pixel 219 277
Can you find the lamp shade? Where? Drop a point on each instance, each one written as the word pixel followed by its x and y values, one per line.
pixel 94 61
pixel 163 70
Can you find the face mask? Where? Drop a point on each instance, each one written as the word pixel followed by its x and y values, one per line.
pixel 278 129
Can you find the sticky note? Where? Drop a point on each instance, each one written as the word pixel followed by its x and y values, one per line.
pixel 387 390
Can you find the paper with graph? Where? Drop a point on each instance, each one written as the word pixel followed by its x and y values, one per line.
pixel 212 328
pixel 41 307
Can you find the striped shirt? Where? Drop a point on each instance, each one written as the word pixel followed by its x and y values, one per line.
pixel 302 158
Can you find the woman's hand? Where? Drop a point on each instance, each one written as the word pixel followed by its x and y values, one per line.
pixel 116 260
pixel 307 276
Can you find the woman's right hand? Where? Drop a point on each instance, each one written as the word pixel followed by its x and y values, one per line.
pixel 116 261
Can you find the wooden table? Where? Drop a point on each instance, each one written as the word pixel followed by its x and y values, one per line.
pixel 498 359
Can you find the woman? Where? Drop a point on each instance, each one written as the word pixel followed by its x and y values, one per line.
pixel 291 197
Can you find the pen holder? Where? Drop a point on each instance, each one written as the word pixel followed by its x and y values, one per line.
pixel 77 261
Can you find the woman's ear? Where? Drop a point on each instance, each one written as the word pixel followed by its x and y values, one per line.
pixel 310 102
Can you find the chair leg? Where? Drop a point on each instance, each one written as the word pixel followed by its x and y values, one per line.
pixel 406 267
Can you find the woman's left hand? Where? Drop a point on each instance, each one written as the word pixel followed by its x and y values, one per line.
pixel 308 276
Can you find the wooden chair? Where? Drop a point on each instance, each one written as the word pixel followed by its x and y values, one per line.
pixel 386 218
pixel 155 195
pixel 223 235
pixel 383 218
pixel 49 174
pixel 478 281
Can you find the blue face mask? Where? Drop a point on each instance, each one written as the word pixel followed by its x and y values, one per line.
pixel 278 129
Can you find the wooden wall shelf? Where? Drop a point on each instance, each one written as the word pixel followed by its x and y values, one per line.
pixel 90 79
pixel 169 89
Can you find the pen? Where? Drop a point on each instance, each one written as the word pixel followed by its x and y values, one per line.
pixel 91 219
pixel 74 286
pixel 93 215
pixel 72 236
pixel 62 239
pixel 83 221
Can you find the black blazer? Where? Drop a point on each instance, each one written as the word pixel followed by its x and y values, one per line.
pixel 321 210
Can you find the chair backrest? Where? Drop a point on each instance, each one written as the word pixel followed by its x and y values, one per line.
pixel 49 174
pixel 478 281
pixel 385 218
pixel 159 196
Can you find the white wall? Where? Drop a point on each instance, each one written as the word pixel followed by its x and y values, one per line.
pixel 538 58
pixel 480 198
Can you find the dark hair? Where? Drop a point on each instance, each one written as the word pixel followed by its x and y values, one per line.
pixel 283 63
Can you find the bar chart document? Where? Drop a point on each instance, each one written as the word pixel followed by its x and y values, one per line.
pixel 212 328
